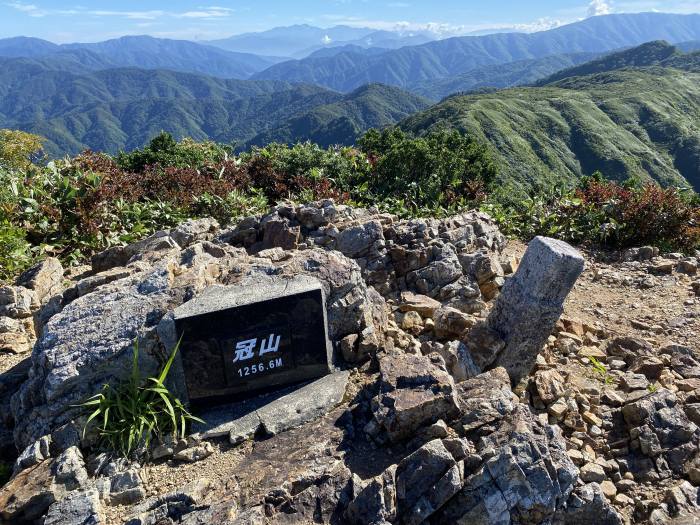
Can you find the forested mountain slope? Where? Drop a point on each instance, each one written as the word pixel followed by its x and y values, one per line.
pixel 454 56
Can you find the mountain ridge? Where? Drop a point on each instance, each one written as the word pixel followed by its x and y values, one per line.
pixel 457 55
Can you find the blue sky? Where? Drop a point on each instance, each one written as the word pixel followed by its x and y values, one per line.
pixel 73 20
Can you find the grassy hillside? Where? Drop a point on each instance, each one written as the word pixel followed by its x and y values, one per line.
pixel 341 122
pixel 643 123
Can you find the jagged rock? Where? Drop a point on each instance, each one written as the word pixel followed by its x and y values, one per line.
pixel 588 505
pixel 630 382
pixel 322 501
pixel 648 366
pixel 485 399
pixel 34 454
pixel 120 255
pixel 413 391
pixel 44 278
pixel 682 506
pixel 375 503
pixel 424 305
pixel 526 475
pixel 592 473
pixel 28 495
pixel 458 360
pixel 81 508
pixel 17 302
pixel 358 241
pixel 550 385
pixel 629 348
pixel 171 506
pixel 194 230
pixel 425 480
pixel 69 469
pixel 15 343
pixel 278 232
pixel 663 428
pixel 531 302
pixel 451 323
pixel 444 270
pixel 124 488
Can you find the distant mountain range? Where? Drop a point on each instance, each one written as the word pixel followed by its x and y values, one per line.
pixel 114 109
pixel 449 58
pixel 634 113
pixel 299 41
pixel 597 99
pixel 143 52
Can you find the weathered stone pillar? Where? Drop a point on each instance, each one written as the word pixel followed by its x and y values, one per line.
pixel 527 309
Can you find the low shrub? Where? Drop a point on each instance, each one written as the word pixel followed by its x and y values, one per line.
pixel 75 207
pixel 606 213
pixel 166 151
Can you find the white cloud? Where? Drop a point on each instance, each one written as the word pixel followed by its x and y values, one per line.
pixel 207 12
pixel 599 7
pixel 30 9
pixel 326 40
pixel 203 13
pixel 443 30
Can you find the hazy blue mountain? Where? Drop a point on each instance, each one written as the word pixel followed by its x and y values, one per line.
pixel 24 46
pixel 454 56
pixel 179 55
pixel 299 41
pixel 499 76
pixel 689 46
pixel 144 52
pixel 288 41
pixel 376 39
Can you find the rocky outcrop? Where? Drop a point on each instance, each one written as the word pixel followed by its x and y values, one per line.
pixel 501 466
pixel 453 444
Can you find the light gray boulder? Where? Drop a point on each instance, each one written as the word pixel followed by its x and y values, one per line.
pixel 90 342
pixel 529 306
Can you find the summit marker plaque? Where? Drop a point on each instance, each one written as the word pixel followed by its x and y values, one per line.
pixel 244 339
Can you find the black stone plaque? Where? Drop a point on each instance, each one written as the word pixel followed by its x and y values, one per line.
pixel 241 340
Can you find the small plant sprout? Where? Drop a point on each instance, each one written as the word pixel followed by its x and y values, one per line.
pixel 129 415
pixel 601 370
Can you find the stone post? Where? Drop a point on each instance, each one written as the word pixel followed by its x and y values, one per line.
pixel 528 307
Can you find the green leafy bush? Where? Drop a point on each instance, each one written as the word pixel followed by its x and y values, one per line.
pixel 15 252
pixel 75 207
pixel 128 416
pixel 18 149
pixel 442 169
pixel 166 151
